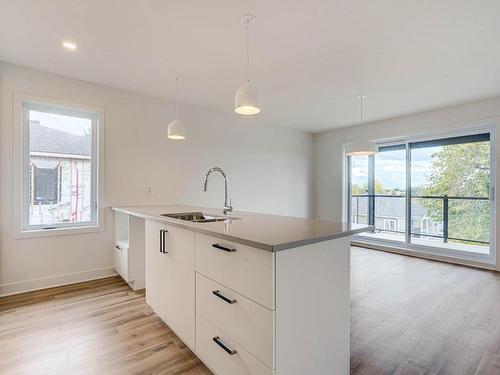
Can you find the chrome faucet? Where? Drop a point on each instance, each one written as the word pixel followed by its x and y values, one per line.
pixel 227 204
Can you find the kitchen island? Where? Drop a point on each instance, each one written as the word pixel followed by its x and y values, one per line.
pixel 249 293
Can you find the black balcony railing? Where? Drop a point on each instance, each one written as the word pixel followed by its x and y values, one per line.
pixel 370 214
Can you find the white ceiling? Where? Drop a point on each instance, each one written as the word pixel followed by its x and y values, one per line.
pixel 310 58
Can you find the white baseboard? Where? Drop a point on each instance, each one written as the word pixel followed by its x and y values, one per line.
pixel 54 281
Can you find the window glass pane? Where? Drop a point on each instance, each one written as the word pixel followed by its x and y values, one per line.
pixel 390 186
pixel 450 205
pixel 388 196
pixel 60 167
pixel 359 189
pixel 46 185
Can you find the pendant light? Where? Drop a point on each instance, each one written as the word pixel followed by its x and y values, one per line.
pixel 361 148
pixel 176 129
pixel 246 101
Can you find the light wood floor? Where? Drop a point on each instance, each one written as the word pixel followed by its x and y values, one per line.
pixel 412 316
pixel 409 317
pixel 98 327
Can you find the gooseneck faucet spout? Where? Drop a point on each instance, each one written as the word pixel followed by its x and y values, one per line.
pixel 227 202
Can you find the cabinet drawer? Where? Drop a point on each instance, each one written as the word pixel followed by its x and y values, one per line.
pixel 248 323
pixel 247 270
pixel 218 359
pixel 121 260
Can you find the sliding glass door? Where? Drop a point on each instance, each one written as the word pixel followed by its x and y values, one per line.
pixel 432 195
pixel 450 185
pixel 384 198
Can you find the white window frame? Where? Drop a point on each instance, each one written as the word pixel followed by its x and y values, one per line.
pixel 21 173
pixel 411 248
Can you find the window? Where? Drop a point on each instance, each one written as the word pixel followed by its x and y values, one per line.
pixel 59 167
pixel 378 185
pixel 390 225
pixel 46 185
pixel 429 194
pixel 360 199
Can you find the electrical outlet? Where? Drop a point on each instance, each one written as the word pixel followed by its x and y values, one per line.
pixel 149 190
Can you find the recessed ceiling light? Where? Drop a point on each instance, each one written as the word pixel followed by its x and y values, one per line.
pixel 70 46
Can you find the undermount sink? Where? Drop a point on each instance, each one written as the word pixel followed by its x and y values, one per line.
pixel 199 217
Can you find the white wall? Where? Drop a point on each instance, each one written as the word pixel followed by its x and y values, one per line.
pixel 270 170
pixel 328 147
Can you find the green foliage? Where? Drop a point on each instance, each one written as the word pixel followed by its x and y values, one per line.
pixel 362 189
pixel 461 170
pixel 379 187
pixel 359 189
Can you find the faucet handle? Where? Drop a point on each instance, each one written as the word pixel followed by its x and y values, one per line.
pixel 228 208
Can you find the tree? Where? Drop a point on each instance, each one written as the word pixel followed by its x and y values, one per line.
pixel 362 189
pixel 461 170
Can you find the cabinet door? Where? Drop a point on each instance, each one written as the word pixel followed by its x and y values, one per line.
pixel 156 269
pixel 181 284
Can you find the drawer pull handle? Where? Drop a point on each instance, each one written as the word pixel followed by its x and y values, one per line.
pixel 223 297
pixel 229 249
pixel 218 342
pixel 163 241
pixel 165 250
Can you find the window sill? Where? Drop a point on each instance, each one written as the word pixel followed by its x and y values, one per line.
pixel 58 231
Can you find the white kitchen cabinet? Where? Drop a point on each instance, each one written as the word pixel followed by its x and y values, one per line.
pixel 246 310
pixel 170 280
pixel 245 321
pixel 248 270
pixel 128 249
pixel 223 355
pixel 256 301
pixel 156 267
pixel 180 284
pixel 120 256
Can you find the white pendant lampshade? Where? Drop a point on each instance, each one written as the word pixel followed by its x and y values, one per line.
pixel 176 129
pixel 246 100
pixel 361 148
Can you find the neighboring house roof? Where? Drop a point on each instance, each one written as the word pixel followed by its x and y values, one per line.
pixel 49 140
pixel 390 207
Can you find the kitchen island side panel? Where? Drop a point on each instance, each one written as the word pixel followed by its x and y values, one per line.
pixel 312 309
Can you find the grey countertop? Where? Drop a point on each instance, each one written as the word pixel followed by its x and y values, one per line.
pixel 267 232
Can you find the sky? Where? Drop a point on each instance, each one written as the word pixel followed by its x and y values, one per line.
pixel 69 124
pixel 390 168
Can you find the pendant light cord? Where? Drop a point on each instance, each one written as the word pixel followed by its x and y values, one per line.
pixel 362 97
pixel 362 102
pixel 176 96
pixel 248 50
